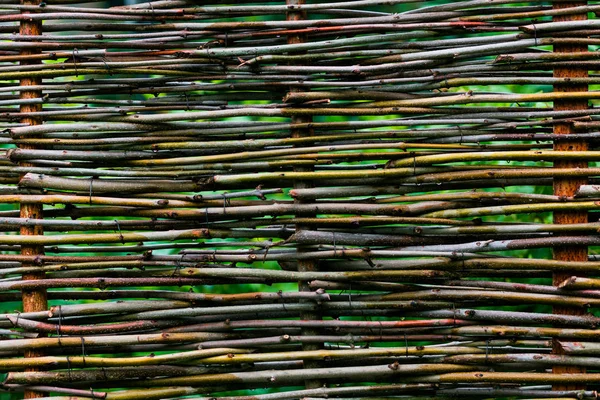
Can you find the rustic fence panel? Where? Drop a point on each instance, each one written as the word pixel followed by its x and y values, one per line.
pixel 279 201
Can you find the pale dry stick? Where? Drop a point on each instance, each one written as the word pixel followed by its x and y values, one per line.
pixel 579 283
pixel 220 10
pixel 230 356
pixel 294 376
pixel 114 340
pixel 483 296
pixel 519 208
pixel 516 377
pixel 282 395
pixel 18 363
pixel 61 390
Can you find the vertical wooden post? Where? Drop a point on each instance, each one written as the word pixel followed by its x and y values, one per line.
pixel 33 300
pixel 568 186
pixel 303 265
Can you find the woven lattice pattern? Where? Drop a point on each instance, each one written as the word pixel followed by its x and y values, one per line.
pixel 365 199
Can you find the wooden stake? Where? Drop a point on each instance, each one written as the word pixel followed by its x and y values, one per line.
pixel 304 265
pixel 568 186
pixel 33 300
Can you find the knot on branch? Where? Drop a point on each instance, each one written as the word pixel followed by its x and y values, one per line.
pixel 10 153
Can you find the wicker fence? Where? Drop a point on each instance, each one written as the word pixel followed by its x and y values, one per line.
pixel 369 199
